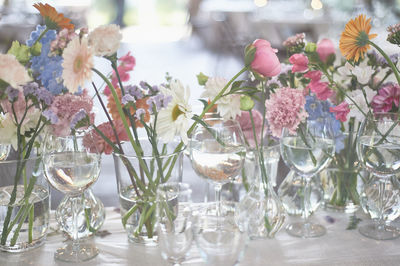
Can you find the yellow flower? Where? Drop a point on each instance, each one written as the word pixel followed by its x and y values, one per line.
pixel 53 19
pixel 355 37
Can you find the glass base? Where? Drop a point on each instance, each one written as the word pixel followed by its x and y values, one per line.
pixel 305 230
pixel 383 232
pixel 79 253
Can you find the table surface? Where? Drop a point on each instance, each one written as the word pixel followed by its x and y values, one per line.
pixel 338 247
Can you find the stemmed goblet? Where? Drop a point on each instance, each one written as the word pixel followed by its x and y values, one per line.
pixel 378 149
pixel 71 165
pixel 307 151
pixel 217 153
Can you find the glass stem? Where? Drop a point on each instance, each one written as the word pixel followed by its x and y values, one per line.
pixel 75 208
pixel 218 188
pixel 381 191
pixel 306 202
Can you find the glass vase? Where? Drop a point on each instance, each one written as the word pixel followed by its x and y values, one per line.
pixel 24 205
pixel 261 212
pixel 138 178
pixel 390 204
pixel 342 188
pixel 291 193
pixel 90 218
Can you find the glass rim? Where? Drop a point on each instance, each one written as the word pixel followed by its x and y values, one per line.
pixel 372 116
pixel 236 123
pixel 36 157
pixel 134 156
pixel 186 190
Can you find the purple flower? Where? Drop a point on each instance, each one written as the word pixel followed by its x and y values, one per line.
pixel 40 93
pixel 155 89
pixel 51 116
pixel 139 112
pixel 12 93
pixel 143 84
pixel 134 91
pixel 159 101
pixel 80 115
pixel 127 98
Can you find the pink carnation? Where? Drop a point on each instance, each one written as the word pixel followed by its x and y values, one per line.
pixel 247 127
pixel 285 109
pixel 94 142
pixel 66 106
pixel 387 98
pixel 341 111
pixel 300 63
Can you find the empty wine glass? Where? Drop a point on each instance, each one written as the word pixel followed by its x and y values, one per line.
pixel 219 239
pixel 307 151
pixel 378 149
pixel 217 153
pixel 174 221
pixel 71 165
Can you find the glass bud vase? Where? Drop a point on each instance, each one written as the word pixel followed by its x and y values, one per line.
pixel 260 212
pixel 291 193
pixel 90 218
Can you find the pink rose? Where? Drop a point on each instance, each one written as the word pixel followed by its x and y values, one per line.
pixel 265 62
pixel 247 128
pixel 321 90
pixel 325 48
pixel 299 62
pixel 313 75
pixel 341 111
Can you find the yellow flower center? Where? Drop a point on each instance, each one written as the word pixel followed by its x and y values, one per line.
pixel 176 112
pixel 78 64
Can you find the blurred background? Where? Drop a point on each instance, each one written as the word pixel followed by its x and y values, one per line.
pixel 185 37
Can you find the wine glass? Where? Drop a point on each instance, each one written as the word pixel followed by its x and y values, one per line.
pixel 71 165
pixel 174 221
pixel 219 239
pixel 307 151
pixel 378 149
pixel 217 153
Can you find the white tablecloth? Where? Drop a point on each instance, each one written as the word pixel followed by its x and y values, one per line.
pixel 338 247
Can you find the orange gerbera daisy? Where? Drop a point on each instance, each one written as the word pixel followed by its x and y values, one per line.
pixel 355 37
pixel 141 103
pixel 52 18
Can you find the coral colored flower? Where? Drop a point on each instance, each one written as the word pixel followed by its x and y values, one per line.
pixel 94 142
pixel 355 37
pixel 105 40
pixel 387 98
pixel 127 62
pixel 140 103
pixel 265 62
pixel 341 111
pixel 78 63
pixel 247 128
pixel 300 63
pixel 12 72
pixel 325 48
pixel 285 109
pixel 52 18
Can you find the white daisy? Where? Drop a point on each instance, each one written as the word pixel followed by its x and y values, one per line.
pixel 228 106
pixel 175 119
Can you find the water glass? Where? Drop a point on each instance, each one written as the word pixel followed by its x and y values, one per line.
pixel 174 221
pixel 219 240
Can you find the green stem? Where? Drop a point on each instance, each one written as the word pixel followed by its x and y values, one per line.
pixel 41 36
pixel 390 63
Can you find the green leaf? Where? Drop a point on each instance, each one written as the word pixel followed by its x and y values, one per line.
pixel 237 84
pixel 249 54
pixel 202 79
pixel 331 59
pixel 21 52
pixel 246 103
pixel 3 85
pixel 204 102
